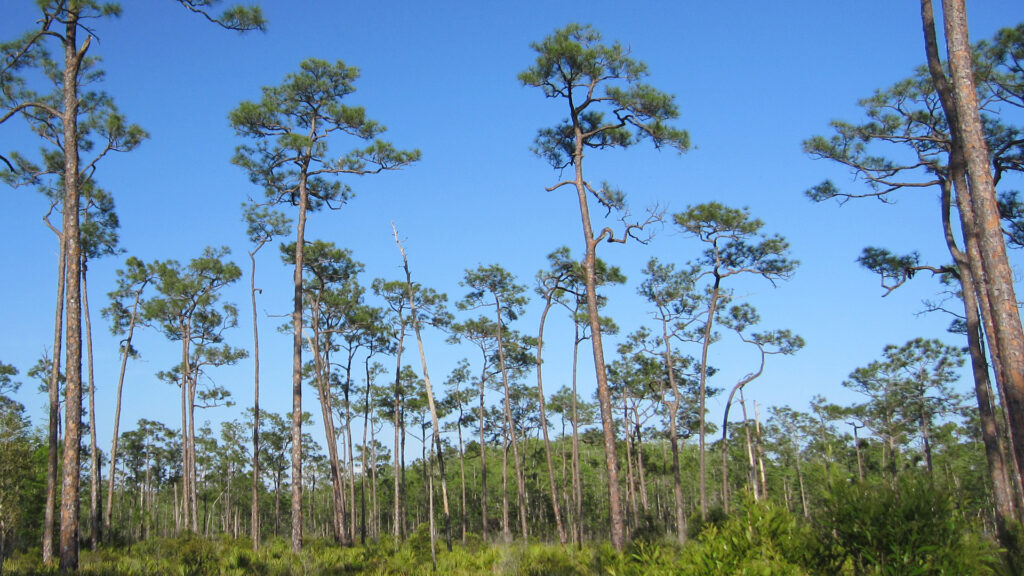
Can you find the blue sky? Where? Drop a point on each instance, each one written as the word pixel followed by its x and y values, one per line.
pixel 752 79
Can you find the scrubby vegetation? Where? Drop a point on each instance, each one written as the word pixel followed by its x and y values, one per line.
pixel 863 529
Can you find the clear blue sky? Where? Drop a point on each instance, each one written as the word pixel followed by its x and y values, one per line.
pixel 753 79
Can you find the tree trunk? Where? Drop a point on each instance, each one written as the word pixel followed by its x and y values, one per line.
pixel 71 480
pixel 998 275
pixel 577 482
pixel 631 512
pixel 49 519
pixel 300 240
pixel 185 510
pixel 254 521
pixel 439 450
pixel 751 468
pixel 673 436
pixel 462 468
pixel 985 257
pixel 322 365
pixel 483 453
pixel 108 514
pixel 641 475
pixel 615 520
pixel 544 425
pixel 506 531
pixel 94 455
pixel 520 479
pixel 399 442
pixel 362 477
pixel 702 393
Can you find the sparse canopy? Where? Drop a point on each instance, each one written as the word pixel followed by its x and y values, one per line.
pixel 609 104
pixel 291 126
pixel 736 244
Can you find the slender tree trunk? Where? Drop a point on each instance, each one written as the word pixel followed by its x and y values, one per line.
pixel 322 364
pixel 631 512
pixel 350 473
pixel 438 448
pixel 108 514
pixel 520 479
pixel 506 530
pixel 751 468
pixel 462 467
pixel 641 475
pixel 94 453
pixel 544 425
pixel 184 433
pixel 399 442
pixel 800 478
pixel 362 478
pixel 71 480
pixel 860 461
pixel 49 516
pixel 702 394
pixel 300 240
pixel 193 482
pixel 254 520
pixel 673 436
pixel 375 519
pixel 615 519
pixel 577 482
pixel 483 453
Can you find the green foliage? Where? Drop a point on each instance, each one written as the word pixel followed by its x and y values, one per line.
pixel 238 17
pixel 291 126
pixel 912 528
pixel 574 64
pixel 764 540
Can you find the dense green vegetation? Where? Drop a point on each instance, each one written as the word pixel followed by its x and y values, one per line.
pixel 913 478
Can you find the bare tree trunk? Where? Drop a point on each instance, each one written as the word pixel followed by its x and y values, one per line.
pixel 71 480
pixel 506 531
pixel 751 468
pixel 544 425
pixel 254 521
pixel 984 269
pixel 577 482
pixel 510 423
pixel 631 512
pixel 702 393
pixel 966 120
pixel 483 454
pixel 462 471
pixel 108 514
pixel 300 241
pixel 438 448
pixel 94 456
pixel 673 436
pixel 760 453
pixel 616 523
pixel 375 519
pixel 49 519
pixel 362 477
pixel 641 476
pixel 322 364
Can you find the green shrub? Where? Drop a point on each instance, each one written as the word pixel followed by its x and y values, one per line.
pixel 695 524
pixel 765 540
pixel 912 528
pixel 196 556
